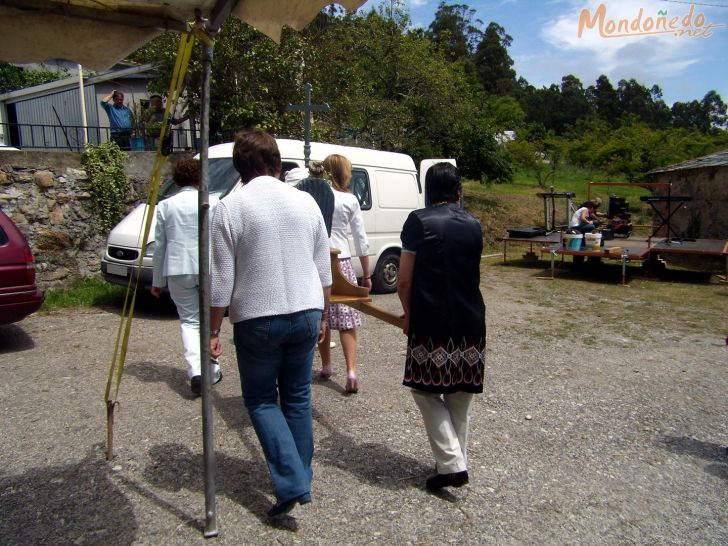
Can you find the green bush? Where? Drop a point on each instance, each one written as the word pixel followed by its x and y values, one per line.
pixel 107 181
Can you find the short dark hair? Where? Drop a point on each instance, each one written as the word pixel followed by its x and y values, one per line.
pixel 442 183
pixel 155 96
pixel 256 153
pixel 187 173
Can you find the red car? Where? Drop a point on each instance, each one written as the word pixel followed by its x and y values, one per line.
pixel 19 295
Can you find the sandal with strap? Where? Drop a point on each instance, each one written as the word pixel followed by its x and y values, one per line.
pixel 352 385
pixel 326 372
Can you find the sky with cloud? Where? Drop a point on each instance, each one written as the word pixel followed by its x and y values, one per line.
pixel 546 45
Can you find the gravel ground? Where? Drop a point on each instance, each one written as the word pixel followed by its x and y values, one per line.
pixel 603 431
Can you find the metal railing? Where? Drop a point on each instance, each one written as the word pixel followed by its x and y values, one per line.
pixel 27 136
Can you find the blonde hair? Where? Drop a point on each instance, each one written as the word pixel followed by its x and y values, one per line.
pixel 338 168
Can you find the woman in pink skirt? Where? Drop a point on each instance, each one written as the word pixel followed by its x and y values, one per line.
pixel 347 213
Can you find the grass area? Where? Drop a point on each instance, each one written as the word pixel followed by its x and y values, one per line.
pixel 568 178
pixel 84 293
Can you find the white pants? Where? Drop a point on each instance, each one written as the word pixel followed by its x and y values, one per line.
pixel 185 294
pixel 446 418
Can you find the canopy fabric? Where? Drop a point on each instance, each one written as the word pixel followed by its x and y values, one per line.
pixel 99 33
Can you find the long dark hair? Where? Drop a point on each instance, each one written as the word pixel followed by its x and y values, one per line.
pixel 442 183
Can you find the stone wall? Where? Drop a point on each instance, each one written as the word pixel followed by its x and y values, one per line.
pixel 706 215
pixel 45 194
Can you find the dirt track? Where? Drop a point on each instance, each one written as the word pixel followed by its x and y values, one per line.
pixel 604 429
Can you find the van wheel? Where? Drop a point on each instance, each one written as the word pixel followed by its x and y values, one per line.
pixel 384 280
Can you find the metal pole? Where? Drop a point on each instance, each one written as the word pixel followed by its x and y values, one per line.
pixel 553 258
pixel 208 445
pixel 82 95
pixel 307 125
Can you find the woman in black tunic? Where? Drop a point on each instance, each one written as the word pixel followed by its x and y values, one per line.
pixel 444 319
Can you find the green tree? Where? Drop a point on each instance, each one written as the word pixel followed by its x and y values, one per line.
pixel 393 89
pixel 504 113
pixel 455 31
pixel 646 104
pixel 493 64
pixel 542 106
pixel 715 108
pixel 253 78
pixel 538 152
pixel 604 100
pixel 14 77
pixel 574 104
pixel 690 115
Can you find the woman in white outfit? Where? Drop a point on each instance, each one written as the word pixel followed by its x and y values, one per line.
pixel 176 262
pixel 347 214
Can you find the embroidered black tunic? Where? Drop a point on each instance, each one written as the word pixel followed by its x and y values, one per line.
pixel 446 341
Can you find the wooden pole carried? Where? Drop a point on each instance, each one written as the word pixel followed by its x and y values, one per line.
pixel 343 291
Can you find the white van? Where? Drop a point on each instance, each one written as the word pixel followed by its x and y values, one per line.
pixel 387 185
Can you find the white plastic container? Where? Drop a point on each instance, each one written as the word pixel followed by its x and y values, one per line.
pixel 593 241
pixel 572 241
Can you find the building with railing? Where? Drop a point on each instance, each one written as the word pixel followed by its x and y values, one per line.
pixel 65 114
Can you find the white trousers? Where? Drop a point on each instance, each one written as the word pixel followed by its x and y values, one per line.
pixel 185 294
pixel 446 417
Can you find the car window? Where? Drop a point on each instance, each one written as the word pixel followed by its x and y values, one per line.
pixel 287 166
pixel 359 186
pixel 168 189
pixel 3 236
pixel 222 176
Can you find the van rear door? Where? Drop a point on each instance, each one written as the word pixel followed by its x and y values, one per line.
pixel 424 167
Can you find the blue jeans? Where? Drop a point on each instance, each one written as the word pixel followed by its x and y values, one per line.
pixel 275 357
pixel 585 228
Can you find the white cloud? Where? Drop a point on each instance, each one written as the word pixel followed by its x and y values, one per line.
pixel 562 32
pixel 648 59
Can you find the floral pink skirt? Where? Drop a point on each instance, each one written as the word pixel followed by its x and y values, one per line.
pixel 343 317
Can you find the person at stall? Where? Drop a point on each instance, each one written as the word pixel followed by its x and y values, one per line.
pixel 583 219
pixel 595 214
pixel 444 320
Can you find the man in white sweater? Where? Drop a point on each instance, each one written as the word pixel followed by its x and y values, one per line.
pixel 271 267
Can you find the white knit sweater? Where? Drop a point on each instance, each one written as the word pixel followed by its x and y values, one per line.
pixel 270 251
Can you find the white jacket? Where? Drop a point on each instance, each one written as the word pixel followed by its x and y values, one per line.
pixel 176 235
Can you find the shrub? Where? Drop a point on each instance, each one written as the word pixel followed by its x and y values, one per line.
pixel 107 181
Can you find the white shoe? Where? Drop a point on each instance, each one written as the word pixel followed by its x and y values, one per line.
pixel 332 344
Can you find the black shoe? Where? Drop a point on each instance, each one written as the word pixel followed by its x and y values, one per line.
pixel 281 508
pixel 456 479
pixel 196 385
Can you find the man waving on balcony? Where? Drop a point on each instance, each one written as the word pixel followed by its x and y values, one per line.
pixel 120 118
